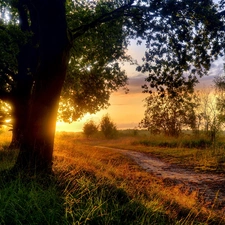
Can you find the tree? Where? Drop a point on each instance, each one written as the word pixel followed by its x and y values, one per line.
pixel 90 128
pixel 94 71
pixel 43 40
pixel 219 84
pixel 107 127
pixel 90 78
pixel 177 53
pixel 170 114
pixel 210 117
pixel 34 97
pixel 214 108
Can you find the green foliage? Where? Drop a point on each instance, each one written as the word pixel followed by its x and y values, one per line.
pixel 94 72
pixel 12 39
pixel 201 143
pixel 107 127
pixel 90 128
pixel 182 40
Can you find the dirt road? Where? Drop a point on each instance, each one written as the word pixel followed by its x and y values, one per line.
pixel 211 187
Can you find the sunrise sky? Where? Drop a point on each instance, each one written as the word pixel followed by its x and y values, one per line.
pixel 127 110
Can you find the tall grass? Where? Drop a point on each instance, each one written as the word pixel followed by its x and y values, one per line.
pixel 89 201
pixel 67 199
pixel 94 186
pixel 30 202
pixel 196 152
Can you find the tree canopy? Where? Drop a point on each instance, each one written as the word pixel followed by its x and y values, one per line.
pixel 181 37
pixel 71 50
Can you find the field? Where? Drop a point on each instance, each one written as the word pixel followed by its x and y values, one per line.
pixel 94 185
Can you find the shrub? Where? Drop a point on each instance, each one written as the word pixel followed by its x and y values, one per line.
pixel 201 143
pixel 108 128
pixel 90 128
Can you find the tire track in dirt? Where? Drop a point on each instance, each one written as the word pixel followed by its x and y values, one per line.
pixel 211 187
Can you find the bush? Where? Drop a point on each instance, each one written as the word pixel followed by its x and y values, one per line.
pixel 108 128
pixel 90 128
pixel 201 143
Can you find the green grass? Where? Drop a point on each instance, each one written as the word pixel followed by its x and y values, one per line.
pixel 94 186
pixel 79 199
pixel 97 202
pixel 29 202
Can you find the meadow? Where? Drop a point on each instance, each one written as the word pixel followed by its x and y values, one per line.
pixel 93 185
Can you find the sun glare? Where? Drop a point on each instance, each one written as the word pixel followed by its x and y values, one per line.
pixel 8 120
pixel 86 117
pixel 78 125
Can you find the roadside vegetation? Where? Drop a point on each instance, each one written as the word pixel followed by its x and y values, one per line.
pixel 195 151
pixel 92 185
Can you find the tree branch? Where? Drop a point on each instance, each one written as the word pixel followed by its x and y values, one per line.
pixel 102 19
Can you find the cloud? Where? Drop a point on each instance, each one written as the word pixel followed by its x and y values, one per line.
pixel 136 80
pixel 216 69
pixel 135 83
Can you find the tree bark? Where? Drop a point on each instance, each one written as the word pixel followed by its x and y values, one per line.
pixel 36 148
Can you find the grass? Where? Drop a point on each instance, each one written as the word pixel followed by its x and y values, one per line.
pixel 23 202
pixel 97 186
pixel 187 150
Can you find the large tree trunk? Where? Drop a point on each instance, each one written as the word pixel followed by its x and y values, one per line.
pixel 37 145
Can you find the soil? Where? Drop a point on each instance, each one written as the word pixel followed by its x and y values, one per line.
pixel 210 187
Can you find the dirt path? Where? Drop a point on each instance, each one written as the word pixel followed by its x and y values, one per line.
pixel 211 187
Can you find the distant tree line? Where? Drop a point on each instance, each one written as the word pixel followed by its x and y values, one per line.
pixel 199 111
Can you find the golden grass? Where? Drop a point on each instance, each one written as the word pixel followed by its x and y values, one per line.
pixel 210 159
pixel 74 154
pixel 106 164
